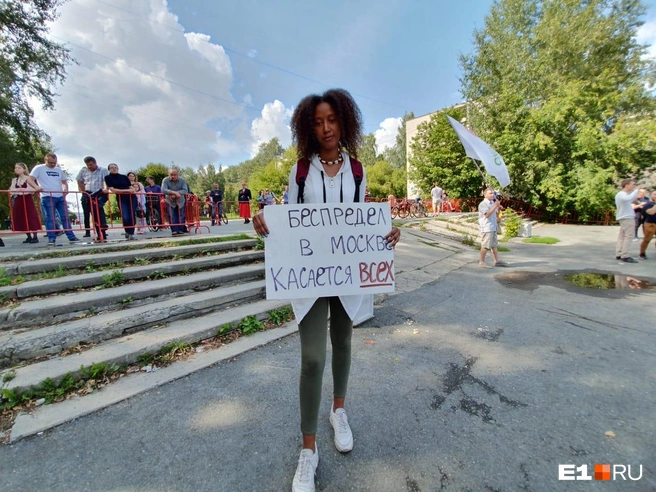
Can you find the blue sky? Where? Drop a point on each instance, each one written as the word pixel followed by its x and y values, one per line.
pixel 399 55
pixel 195 81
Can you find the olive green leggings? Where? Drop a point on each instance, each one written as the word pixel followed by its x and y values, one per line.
pixel 313 331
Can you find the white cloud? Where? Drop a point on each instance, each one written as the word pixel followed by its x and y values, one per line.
pixel 647 35
pixel 274 122
pixel 386 134
pixel 165 108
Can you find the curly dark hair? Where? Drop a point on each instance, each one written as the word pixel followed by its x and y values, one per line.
pixel 348 115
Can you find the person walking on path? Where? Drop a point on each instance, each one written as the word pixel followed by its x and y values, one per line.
pixel 436 196
pixel 326 130
pixel 649 213
pixel 91 180
pixel 488 211
pixel 54 187
pixel 244 199
pixel 24 217
pixel 625 215
pixel 126 198
pixel 175 189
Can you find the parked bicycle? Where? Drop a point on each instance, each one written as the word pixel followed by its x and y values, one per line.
pixel 153 218
pixel 418 209
pixel 401 209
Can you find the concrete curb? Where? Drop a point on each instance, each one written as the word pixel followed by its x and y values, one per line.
pixel 49 416
pixel 61 308
pixel 105 258
pixel 51 340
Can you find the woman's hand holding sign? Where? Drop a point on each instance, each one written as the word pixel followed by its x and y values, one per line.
pixel 260 225
pixel 262 230
pixel 393 236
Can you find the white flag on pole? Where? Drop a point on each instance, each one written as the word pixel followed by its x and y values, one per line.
pixel 479 150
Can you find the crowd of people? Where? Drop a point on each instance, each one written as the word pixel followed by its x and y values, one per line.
pixel 135 201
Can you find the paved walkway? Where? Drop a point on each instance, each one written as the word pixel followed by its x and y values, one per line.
pixel 475 380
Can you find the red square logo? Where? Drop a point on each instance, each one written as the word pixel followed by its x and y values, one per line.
pixel 602 472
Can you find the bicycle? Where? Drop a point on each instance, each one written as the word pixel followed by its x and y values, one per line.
pixel 402 210
pixel 222 217
pixel 153 220
pixel 418 209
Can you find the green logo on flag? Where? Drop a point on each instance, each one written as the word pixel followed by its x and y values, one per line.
pixel 497 159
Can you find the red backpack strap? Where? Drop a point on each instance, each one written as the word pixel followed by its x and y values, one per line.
pixel 358 176
pixel 302 170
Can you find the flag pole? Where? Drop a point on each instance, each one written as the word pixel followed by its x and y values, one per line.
pixel 479 170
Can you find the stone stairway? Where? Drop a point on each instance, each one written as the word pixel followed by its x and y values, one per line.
pixel 116 304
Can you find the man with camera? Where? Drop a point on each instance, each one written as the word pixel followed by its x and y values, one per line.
pixel 488 213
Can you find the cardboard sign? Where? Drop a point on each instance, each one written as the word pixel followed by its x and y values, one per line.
pixel 321 250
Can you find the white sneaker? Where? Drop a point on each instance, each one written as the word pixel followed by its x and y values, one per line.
pixel 343 434
pixel 305 471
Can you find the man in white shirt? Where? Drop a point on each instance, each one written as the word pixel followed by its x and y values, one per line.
pixel 625 215
pixel 488 210
pixel 53 181
pixel 436 195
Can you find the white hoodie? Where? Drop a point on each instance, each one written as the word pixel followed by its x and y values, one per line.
pixel 313 193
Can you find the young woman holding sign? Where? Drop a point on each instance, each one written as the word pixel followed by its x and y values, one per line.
pixel 326 130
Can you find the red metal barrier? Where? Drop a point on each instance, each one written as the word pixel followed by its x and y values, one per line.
pixel 27 212
pixel 157 214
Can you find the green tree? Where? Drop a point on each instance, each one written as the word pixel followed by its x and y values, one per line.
pixel 438 156
pixel 384 179
pixel 368 150
pixel 30 64
pixel 274 175
pixel 268 151
pixel 396 155
pixel 559 88
pixel 13 150
pixel 155 169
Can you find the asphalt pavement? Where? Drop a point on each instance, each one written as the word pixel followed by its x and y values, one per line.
pixel 467 379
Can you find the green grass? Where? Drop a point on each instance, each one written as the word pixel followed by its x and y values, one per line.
pixel 541 240
pixel 9 279
pixel 503 249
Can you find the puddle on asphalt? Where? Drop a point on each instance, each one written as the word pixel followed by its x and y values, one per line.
pixel 591 282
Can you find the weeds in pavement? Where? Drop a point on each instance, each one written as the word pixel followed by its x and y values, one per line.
pixel 281 315
pixel 250 325
pixel 113 279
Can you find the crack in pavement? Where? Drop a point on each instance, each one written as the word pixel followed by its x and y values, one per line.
pixel 454 379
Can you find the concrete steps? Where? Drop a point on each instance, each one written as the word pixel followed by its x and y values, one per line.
pixel 126 350
pixel 88 280
pixel 17 345
pixel 56 309
pixel 79 260
pixel 127 320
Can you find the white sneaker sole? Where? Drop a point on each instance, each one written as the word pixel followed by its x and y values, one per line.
pixel 342 449
pixel 345 449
